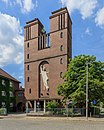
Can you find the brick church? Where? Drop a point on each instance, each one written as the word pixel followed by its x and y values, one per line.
pixel 46 58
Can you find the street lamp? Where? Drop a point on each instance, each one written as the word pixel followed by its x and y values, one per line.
pixel 87 63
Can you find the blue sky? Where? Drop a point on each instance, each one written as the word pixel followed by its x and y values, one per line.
pixel 88 28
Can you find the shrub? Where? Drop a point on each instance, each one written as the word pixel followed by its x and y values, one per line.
pixel 52 104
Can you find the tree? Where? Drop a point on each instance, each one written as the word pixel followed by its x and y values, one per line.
pixel 74 85
pixel 52 104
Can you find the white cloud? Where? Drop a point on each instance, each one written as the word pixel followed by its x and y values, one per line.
pixel 11 40
pixel 9 2
pixel 19 58
pixel 20 77
pixel 36 3
pixel 99 20
pixel 12 3
pixel 88 31
pixel 6 1
pixel 26 5
pixel 85 7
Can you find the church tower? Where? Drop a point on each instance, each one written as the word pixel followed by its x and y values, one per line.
pixel 46 58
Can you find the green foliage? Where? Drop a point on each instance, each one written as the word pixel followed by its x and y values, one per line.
pixel 7 99
pixel 52 104
pixel 74 85
pixel 3 111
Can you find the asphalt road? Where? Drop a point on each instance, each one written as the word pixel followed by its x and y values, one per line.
pixel 23 123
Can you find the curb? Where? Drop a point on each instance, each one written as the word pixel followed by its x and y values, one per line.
pixel 66 118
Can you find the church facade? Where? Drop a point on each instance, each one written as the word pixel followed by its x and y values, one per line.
pixel 46 58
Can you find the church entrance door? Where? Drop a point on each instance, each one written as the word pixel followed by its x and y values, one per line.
pixel 40 106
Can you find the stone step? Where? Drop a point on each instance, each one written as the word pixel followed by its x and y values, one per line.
pixel 35 113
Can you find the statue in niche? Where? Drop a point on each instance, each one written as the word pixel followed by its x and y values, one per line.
pixel 44 77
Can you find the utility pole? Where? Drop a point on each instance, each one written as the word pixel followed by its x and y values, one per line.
pixel 87 90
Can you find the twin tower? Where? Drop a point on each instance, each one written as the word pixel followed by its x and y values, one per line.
pixel 46 58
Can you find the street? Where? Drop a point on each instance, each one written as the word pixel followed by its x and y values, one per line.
pixel 31 123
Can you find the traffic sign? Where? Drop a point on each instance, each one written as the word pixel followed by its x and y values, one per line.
pixel 94 102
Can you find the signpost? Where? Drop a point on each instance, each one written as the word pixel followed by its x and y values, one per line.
pixel 94 103
pixel 67 103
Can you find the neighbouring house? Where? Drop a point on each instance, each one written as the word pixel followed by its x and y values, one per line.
pixel 20 99
pixel 9 92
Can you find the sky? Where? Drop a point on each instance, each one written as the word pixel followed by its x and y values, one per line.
pixel 87 28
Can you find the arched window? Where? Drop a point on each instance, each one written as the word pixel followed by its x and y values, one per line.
pixel 61 35
pixel 61 61
pixel 27 56
pixel 30 90
pixel 28 45
pixel 28 79
pixel 47 93
pixel 28 67
pixel 60 74
pixel 61 48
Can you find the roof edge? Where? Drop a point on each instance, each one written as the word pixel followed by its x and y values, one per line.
pixel 11 77
pixel 59 10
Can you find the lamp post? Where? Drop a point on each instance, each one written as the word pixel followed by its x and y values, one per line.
pixel 87 63
pixel 86 90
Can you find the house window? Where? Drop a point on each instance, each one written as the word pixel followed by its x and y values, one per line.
pixel 61 61
pixel 60 74
pixel 11 84
pixel 11 104
pixel 3 82
pixel 27 56
pixel 11 94
pixel 3 104
pixel 28 45
pixel 30 90
pixel 61 35
pixel 61 48
pixel 28 67
pixel 20 94
pixel 3 93
pixel 28 79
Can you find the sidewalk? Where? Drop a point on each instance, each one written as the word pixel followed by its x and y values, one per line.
pixel 52 118
pixel 66 118
pixel 14 115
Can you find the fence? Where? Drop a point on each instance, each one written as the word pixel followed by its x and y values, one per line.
pixel 65 111
pixel 94 111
